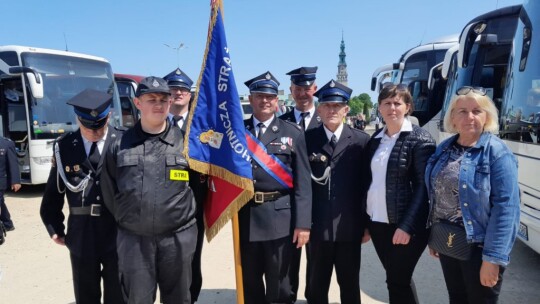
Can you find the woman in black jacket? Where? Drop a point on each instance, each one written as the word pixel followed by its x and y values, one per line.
pixel 397 201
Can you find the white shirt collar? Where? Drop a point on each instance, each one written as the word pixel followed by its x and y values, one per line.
pixel 337 133
pixel 266 123
pixel 100 143
pixel 297 114
pixel 406 126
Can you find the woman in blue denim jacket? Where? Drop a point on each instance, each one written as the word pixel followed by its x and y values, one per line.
pixel 472 182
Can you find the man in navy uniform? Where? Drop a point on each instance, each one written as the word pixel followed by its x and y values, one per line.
pixel 339 218
pixel 304 114
pixel 302 88
pixel 9 177
pixel 180 87
pixel 76 171
pixel 149 188
pixel 280 212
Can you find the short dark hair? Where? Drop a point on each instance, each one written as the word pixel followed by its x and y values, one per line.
pixel 390 90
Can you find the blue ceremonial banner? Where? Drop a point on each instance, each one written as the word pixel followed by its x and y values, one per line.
pixel 215 143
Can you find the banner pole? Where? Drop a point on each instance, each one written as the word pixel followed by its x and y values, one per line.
pixel 237 260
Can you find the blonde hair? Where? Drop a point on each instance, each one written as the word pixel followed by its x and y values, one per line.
pixel 485 103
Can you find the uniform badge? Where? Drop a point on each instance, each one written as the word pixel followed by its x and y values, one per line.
pixel 155 84
pixel 68 169
pixel 286 140
pixel 283 147
pixel 268 76
pixel 318 119
pixel 76 168
pixel 332 84
pixel 94 113
pixel 274 128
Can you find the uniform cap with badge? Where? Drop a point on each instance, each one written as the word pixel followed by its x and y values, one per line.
pixel 334 91
pixel 265 83
pixel 304 76
pixel 179 79
pixel 92 108
pixel 152 84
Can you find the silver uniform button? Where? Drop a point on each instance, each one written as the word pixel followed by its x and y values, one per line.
pixel 97 182
pixel 469 222
pixel 98 198
pixel 465 204
pixel 464 186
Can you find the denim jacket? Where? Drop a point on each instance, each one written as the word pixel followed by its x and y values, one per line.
pixel 488 194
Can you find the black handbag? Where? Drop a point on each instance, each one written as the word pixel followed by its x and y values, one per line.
pixel 2 233
pixel 450 239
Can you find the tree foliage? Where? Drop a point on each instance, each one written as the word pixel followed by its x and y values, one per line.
pixel 360 104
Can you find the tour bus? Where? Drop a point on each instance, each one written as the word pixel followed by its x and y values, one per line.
pixel 35 84
pixel 414 69
pixel 500 52
pixel 520 118
pixel 481 58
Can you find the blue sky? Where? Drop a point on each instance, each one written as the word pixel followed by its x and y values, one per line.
pixel 276 35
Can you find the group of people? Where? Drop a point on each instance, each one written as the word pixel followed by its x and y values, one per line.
pixel 135 217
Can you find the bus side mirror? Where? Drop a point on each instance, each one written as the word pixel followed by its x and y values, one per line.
pixel 34 79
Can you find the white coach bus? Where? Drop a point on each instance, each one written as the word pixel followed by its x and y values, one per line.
pixel 35 84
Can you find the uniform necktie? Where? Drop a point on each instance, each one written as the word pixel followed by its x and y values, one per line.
pixel 177 119
pixel 261 130
pixel 94 155
pixel 333 141
pixel 303 116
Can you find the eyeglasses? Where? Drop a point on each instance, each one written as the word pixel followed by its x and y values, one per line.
pixel 466 89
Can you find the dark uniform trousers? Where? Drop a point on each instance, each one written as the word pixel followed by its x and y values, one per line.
pixel 165 260
pixel 339 216
pixel 266 228
pixel 90 239
pixel 9 175
pixel 315 122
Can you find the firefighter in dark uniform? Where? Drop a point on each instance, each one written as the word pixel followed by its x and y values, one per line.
pixel 303 87
pixel 10 177
pixel 280 212
pixel 75 174
pixel 147 185
pixel 339 218
pixel 180 87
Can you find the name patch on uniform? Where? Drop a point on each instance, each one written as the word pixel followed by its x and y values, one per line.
pixel 179 175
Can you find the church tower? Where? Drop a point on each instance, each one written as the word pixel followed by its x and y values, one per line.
pixel 342 65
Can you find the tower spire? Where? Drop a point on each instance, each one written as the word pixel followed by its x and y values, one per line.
pixel 342 75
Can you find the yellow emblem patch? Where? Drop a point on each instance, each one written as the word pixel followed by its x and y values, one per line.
pixel 179 175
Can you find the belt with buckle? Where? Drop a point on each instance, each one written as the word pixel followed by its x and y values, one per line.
pixel 92 210
pixel 261 197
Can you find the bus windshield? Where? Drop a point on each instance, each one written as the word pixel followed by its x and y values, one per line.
pixel 63 77
pixel 520 117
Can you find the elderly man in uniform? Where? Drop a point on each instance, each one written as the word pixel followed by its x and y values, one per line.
pixel 148 186
pixel 303 87
pixel 339 218
pixel 76 171
pixel 280 212
pixel 180 88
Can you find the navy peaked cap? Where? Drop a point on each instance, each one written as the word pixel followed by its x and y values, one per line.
pixel 304 76
pixel 92 107
pixel 152 84
pixel 264 83
pixel 334 91
pixel 178 78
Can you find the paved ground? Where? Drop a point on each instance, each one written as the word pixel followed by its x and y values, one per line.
pixel 35 270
